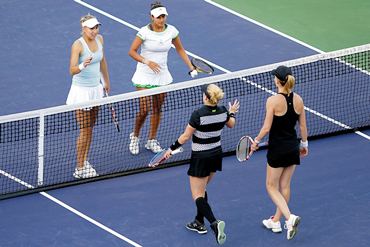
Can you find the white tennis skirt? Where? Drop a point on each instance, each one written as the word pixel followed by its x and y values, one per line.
pixel 79 94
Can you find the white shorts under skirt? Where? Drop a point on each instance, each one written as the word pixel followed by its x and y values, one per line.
pixel 143 78
pixel 78 94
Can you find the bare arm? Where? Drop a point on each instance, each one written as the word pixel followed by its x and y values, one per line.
pixel 75 54
pixel 181 51
pixel 303 130
pixel 137 57
pixel 268 120
pixel 184 137
pixel 104 69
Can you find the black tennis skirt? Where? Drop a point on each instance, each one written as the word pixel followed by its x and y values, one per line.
pixel 286 159
pixel 202 167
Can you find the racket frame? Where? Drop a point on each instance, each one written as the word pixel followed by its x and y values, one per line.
pixel 113 113
pixel 194 62
pixel 248 152
pixel 161 154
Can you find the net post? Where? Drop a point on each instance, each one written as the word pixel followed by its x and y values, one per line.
pixel 40 173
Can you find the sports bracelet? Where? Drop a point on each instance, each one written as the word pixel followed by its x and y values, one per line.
pixel 175 145
pixel 145 61
pixel 256 141
pixel 304 144
pixel 81 66
pixel 231 114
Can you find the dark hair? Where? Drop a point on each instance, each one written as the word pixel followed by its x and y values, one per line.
pixel 155 5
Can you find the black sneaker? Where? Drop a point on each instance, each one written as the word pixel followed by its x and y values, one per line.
pixel 197 227
pixel 218 227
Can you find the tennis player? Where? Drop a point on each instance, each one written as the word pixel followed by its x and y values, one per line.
pixel 155 40
pixel 87 63
pixel 283 111
pixel 205 127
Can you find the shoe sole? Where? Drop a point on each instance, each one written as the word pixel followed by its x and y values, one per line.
pixel 195 230
pixel 295 228
pixel 272 229
pixel 221 236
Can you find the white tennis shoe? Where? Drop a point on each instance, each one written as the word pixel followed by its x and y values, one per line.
pixel 153 145
pixel 87 171
pixel 292 226
pixel 271 225
pixel 134 144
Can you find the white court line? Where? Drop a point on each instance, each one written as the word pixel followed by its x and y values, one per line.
pixel 228 71
pixel 299 42
pixel 73 210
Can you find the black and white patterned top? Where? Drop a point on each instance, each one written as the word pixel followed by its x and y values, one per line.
pixel 208 122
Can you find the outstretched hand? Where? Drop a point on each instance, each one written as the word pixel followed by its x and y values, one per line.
pixel 234 108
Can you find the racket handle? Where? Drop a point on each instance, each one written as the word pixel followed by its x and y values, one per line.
pixel 263 144
pixel 176 151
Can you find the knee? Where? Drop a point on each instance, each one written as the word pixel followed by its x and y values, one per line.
pixel 285 188
pixel 271 186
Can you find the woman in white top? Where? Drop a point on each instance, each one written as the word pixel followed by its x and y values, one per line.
pixel 155 40
pixel 87 63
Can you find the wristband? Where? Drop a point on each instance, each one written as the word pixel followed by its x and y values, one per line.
pixel 304 144
pixel 81 66
pixel 145 61
pixel 175 145
pixel 232 114
pixel 256 141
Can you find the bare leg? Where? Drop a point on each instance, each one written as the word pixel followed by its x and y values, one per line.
pixel 86 121
pixel 286 178
pixel 272 186
pixel 156 114
pixel 143 112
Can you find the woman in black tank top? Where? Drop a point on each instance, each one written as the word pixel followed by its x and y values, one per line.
pixel 283 111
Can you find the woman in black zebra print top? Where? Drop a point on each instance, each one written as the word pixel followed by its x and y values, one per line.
pixel 205 127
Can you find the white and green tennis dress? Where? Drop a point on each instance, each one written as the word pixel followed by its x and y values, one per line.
pixel 155 48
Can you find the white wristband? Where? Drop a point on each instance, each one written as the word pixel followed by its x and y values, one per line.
pixel 256 141
pixel 145 61
pixel 304 144
pixel 81 66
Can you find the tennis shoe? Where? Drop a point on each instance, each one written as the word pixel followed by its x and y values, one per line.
pixel 153 145
pixel 197 227
pixel 134 144
pixel 218 228
pixel 292 226
pixel 272 225
pixel 87 171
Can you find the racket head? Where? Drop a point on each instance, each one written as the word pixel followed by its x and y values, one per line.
pixel 243 149
pixel 202 66
pixel 157 159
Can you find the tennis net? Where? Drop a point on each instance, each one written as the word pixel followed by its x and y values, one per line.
pixel 38 148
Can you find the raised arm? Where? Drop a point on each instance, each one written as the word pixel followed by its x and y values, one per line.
pixel 104 68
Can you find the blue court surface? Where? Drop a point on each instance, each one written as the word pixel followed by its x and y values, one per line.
pixel 330 190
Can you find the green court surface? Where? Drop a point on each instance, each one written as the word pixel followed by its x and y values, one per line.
pixel 325 24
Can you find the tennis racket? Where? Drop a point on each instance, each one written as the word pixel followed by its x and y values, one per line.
pixel 159 157
pixel 113 112
pixel 202 66
pixel 243 149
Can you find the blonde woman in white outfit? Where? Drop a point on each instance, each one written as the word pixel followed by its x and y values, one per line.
pixel 155 40
pixel 87 63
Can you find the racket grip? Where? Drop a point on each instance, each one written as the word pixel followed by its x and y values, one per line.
pixel 263 144
pixel 176 151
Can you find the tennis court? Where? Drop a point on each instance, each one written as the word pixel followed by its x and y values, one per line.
pixel 330 189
